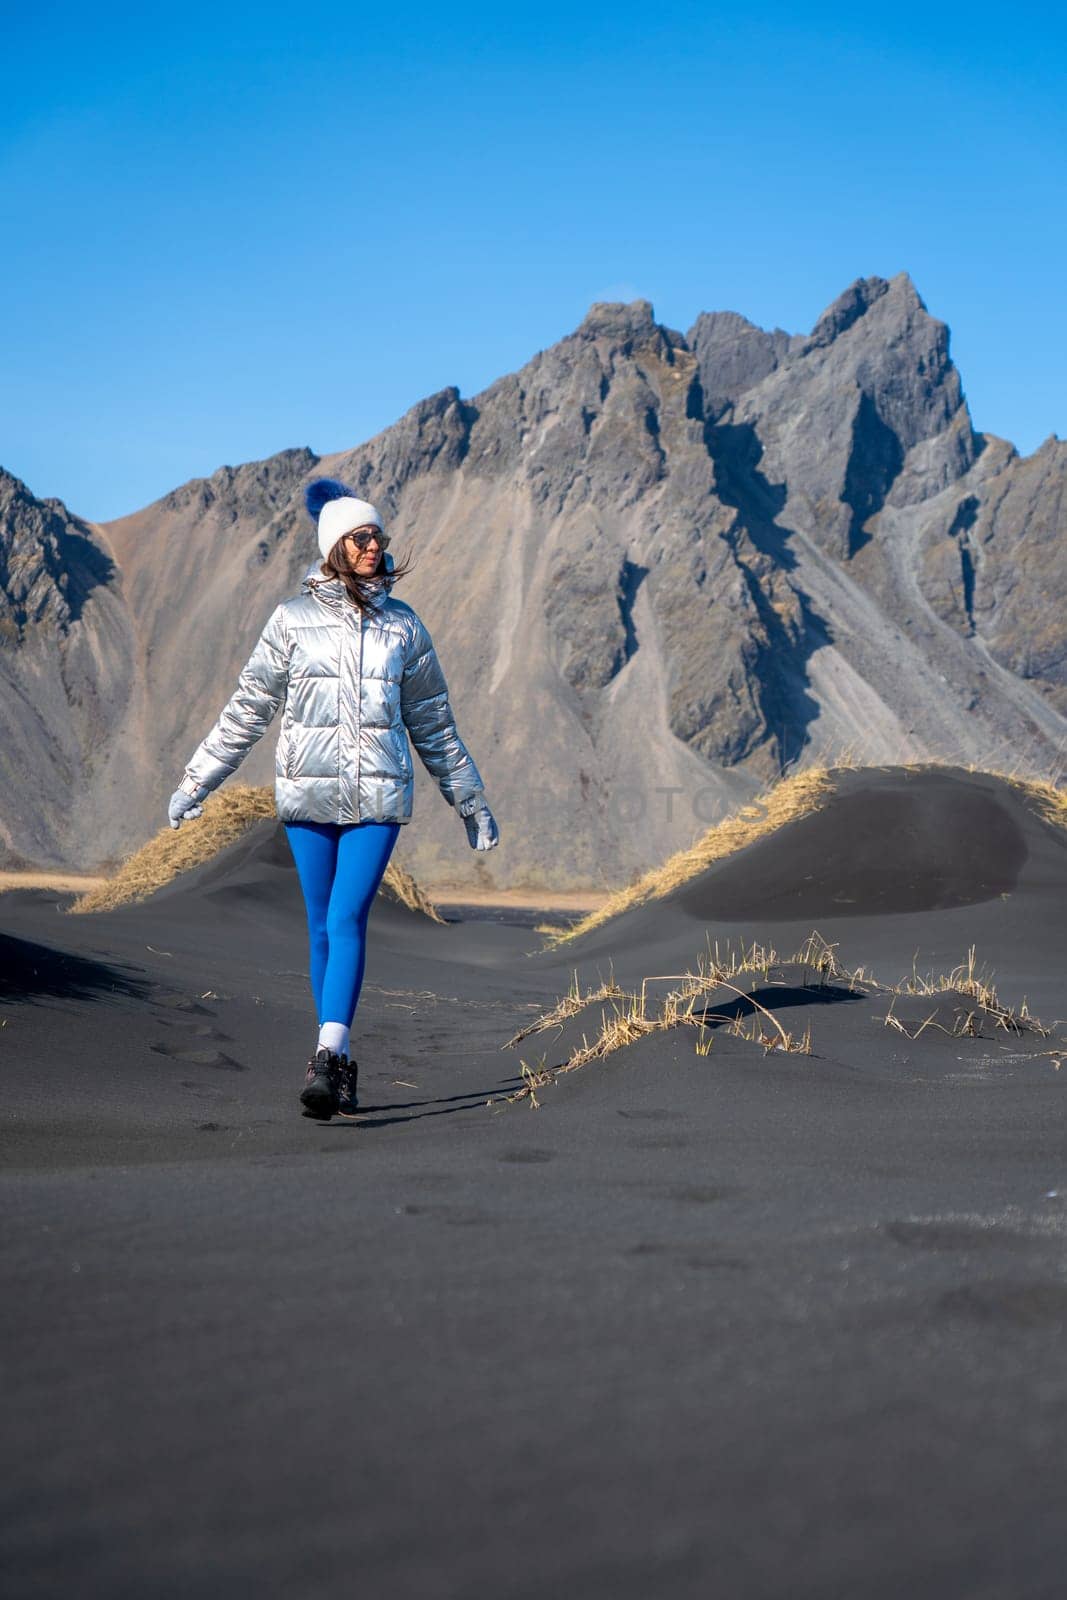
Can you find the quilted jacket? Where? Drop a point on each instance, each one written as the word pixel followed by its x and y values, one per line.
pixel 353 686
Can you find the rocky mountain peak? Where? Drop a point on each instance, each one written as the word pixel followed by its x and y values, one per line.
pixel 255 488
pixel 49 561
pixel 617 319
pixel 903 303
pixel 733 354
pixel 626 326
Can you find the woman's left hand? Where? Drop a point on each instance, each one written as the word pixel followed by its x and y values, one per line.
pixel 482 831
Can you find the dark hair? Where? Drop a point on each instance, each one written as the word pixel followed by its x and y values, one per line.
pixel 338 564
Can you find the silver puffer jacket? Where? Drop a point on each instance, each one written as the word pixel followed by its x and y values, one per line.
pixel 353 686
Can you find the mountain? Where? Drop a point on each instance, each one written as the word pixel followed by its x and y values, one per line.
pixel 658 567
pixel 66 671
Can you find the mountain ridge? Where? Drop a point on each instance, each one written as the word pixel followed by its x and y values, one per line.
pixel 699 558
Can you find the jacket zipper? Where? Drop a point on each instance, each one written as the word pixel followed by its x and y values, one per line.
pixel 359 717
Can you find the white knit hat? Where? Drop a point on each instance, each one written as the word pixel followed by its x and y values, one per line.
pixel 344 515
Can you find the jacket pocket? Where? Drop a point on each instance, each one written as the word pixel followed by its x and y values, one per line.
pixel 403 751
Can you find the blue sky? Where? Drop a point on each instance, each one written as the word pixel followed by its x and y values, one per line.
pixel 231 230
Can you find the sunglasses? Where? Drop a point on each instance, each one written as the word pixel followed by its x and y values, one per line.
pixel 363 539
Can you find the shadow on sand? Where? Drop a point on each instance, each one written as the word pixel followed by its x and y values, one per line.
pixel 778 997
pixel 441 1106
pixel 31 972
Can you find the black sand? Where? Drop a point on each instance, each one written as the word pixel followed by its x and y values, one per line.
pixel 736 1324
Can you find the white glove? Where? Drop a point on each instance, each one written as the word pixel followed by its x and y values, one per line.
pixel 185 803
pixel 482 831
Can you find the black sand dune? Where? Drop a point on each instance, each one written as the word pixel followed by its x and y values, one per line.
pixel 914 842
pixel 899 868
pixel 743 1323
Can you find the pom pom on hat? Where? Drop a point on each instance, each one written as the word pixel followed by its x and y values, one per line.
pixel 319 490
pixel 336 510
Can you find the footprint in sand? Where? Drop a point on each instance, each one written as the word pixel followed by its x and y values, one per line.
pixel 456 1216
pixel 180 1002
pixel 202 1030
pixel 710 1260
pixel 716 1263
pixel 659 1141
pixel 955 1236
pixel 1019 1305
pixel 699 1194
pixel 206 1057
pixel 657 1115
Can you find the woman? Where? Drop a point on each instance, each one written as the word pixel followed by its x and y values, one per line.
pixel 354 668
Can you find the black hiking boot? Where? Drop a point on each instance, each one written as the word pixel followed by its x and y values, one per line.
pixel 319 1094
pixel 347 1079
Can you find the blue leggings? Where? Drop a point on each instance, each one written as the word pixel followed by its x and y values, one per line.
pixel 340 868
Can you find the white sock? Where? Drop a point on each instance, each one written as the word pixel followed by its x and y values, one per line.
pixel 334 1036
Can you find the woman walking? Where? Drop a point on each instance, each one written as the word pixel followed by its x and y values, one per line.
pixel 355 669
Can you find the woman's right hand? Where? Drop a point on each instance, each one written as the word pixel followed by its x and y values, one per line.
pixel 184 806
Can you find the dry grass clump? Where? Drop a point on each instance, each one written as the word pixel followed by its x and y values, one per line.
pixel 1044 794
pixel 963 1027
pixel 631 1018
pixel 1049 800
pixel 568 1006
pixel 398 884
pixel 1038 782
pixel 533 1078
pixel 788 799
pixel 228 814
pixel 821 959
pixel 756 1031
pixel 973 984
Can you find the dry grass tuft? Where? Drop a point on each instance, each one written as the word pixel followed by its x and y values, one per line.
pixel 625 1026
pixel 570 1004
pixel 715 970
pixel 1048 799
pixel 228 814
pixel 756 1032
pixel 399 885
pixel 963 1027
pixel 966 979
pixel 819 957
pixel 533 1078
pixel 1024 774
pixel 631 1018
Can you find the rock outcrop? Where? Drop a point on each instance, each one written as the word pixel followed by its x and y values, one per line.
pixel 66 669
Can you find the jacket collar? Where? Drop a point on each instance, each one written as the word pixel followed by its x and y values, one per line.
pixel 331 591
